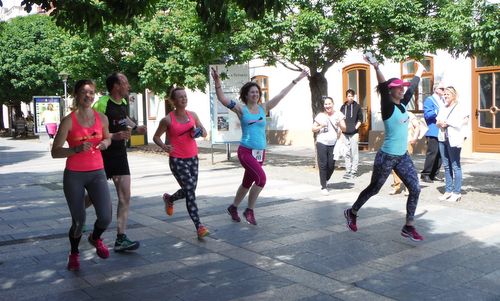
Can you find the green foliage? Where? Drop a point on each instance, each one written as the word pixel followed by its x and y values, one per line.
pixel 91 15
pixel 28 46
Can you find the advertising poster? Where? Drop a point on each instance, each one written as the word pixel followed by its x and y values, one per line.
pixel 225 124
pixel 41 104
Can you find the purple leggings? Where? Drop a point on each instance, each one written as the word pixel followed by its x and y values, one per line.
pixel 253 168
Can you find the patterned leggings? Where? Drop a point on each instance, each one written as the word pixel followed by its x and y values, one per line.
pixel 185 172
pixel 404 168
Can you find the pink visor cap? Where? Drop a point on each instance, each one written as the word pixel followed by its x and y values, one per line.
pixel 398 83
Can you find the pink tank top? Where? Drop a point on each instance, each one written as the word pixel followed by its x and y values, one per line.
pixel 179 135
pixel 87 160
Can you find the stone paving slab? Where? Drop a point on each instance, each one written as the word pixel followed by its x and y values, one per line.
pixel 301 249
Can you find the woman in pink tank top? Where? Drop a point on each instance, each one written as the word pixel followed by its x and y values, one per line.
pixel 182 127
pixel 86 132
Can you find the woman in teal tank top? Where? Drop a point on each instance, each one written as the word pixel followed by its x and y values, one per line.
pixel 251 151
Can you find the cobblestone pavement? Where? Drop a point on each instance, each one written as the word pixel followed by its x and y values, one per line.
pixel 300 250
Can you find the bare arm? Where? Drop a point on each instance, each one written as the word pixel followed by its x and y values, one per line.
pixel 199 124
pixel 140 129
pixel 58 151
pixel 162 129
pixel 375 64
pixel 220 94
pixel 106 136
pixel 276 99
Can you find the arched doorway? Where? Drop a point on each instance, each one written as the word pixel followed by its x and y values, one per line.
pixel 357 77
pixel 485 117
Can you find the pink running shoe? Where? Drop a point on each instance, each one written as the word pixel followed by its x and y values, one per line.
pixel 74 262
pixel 233 211
pixel 100 248
pixel 411 233
pixel 350 220
pixel 249 216
pixel 169 205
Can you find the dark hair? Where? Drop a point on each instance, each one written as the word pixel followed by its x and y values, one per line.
pixel 171 95
pixel 246 87
pixel 350 91
pixel 112 79
pixel 78 86
pixel 385 84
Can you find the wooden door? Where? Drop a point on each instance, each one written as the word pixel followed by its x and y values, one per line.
pixel 485 117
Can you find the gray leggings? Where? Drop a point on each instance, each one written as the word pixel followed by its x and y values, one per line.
pixel 75 183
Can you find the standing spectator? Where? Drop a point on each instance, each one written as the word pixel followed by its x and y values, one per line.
pixel 432 164
pixel 182 126
pixel 86 132
pixel 393 154
pixel 353 119
pixel 251 151
pixel 328 125
pixel 451 122
pixel 114 106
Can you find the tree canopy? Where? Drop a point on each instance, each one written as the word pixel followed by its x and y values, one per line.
pixel 28 46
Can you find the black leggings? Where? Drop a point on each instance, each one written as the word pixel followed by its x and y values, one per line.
pixel 326 164
pixel 404 168
pixel 185 172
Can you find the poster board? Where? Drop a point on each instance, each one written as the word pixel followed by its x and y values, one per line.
pixel 40 104
pixel 225 125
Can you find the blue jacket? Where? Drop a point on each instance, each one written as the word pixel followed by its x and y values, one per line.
pixel 431 110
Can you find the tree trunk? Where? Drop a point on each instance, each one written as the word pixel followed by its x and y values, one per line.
pixel 319 88
pixel 2 127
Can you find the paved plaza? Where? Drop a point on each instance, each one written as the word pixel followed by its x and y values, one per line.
pixel 300 249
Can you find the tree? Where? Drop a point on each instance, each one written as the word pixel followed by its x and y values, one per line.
pixel 318 34
pixel 92 16
pixel 28 46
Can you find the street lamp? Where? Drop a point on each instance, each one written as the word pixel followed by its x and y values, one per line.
pixel 64 76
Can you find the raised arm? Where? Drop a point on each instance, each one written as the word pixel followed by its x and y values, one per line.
pixel 414 84
pixel 230 104
pixel 276 99
pixel 372 61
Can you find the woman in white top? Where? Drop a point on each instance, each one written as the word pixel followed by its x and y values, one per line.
pixel 451 122
pixel 329 126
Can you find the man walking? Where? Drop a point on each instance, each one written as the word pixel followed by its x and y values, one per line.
pixel 353 118
pixel 432 164
pixel 114 106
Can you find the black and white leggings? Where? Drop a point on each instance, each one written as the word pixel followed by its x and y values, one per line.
pixel 185 171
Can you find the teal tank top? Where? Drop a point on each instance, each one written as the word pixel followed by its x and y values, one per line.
pixel 396 133
pixel 253 128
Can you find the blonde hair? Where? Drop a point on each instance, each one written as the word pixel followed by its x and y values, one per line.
pixel 453 92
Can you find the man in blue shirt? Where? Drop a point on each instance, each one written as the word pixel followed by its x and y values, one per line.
pixel 432 164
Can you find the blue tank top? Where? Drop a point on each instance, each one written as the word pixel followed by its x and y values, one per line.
pixel 396 133
pixel 253 128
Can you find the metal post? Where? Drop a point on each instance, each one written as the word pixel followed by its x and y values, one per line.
pixel 64 76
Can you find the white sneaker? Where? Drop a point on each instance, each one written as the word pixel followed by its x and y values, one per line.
pixel 324 191
pixel 454 197
pixel 445 196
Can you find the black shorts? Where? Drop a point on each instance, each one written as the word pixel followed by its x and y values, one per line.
pixel 115 165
